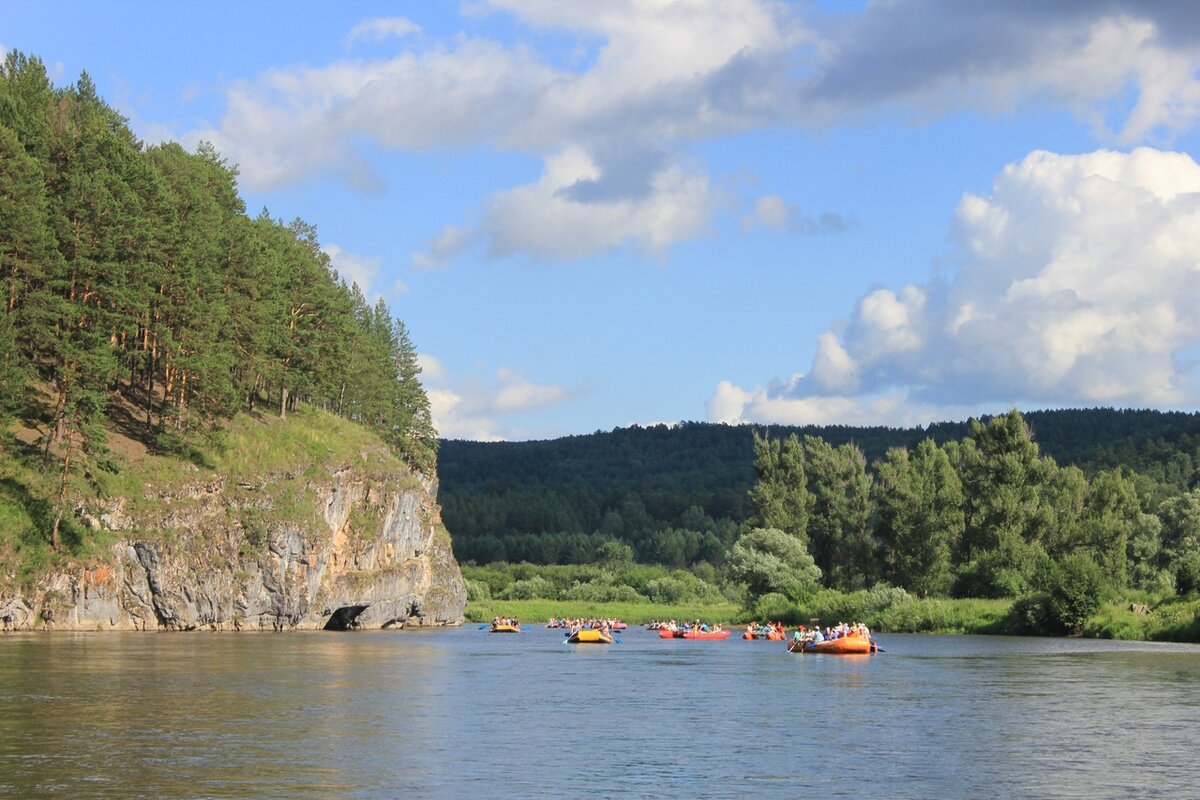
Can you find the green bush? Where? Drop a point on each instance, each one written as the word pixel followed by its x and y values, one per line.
pixel 1187 576
pixel 602 592
pixel 774 606
pixel 533 588
pixel 477 591
pixel 989 576
pixel 1031 615
pixel 668 590
pixel 1076 593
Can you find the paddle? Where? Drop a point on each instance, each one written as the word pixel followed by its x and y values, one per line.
pixel 484 627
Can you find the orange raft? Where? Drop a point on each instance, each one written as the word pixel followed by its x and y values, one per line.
pixel 704 635
pixel 666 633
pixel 854 644
pixel 772 635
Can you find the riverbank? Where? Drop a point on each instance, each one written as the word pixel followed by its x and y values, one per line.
pixel 883 610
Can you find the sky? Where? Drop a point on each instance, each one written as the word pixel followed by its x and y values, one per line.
pixel 591 215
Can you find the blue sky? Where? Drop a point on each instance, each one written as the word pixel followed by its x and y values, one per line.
pixel 596 214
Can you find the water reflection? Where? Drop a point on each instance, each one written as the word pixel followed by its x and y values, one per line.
pixel 462 713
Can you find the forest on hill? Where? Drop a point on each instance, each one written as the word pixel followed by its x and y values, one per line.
pixel 139 297
pixel 682 496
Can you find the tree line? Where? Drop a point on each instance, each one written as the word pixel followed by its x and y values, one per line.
pixel 670 492
pixel 137 291
pixel 987 516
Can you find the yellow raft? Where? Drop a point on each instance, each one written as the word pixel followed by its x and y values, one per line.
pixel 589 636
pixel 506 629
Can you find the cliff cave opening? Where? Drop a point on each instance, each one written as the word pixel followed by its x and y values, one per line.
pixel 345 618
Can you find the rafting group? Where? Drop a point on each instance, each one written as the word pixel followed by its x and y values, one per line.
pixel 772 631
pixel 505 625
pixel 841 639
pixel 595 622
pixel 601 633
pixel 692 630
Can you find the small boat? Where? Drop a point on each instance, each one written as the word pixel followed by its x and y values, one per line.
pixel 690 634
pixel 589 636
pixel 504 627
pixel 854 644
pixel 772 635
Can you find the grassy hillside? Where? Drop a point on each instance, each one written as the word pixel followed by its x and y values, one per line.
pixel 310 443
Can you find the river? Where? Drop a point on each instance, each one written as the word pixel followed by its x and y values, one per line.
pixel 462 713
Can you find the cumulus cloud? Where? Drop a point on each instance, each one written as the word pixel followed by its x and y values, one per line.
pixel 1075 280
pixel 449 243
pixel 517 394
pixel 353 268
pixel 548 220
pixel 653 77
pixel 431 367
pixel 484 409
pixel 381 28
pixel 772 212
pixel 934 56
pixel 659 74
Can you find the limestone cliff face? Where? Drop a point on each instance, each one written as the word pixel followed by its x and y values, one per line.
pixel 342 549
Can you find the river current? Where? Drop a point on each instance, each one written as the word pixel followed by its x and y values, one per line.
pixel 462 713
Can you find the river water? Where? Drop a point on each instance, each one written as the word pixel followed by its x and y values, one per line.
pixel 467 714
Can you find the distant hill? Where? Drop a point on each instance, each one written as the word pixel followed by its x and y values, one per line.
pixel 494 494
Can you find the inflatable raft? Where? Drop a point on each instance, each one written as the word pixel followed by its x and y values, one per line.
pixel 691 634
pixel 842 646
pixel 589 636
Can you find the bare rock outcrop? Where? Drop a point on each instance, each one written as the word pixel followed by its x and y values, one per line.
pixel 354 548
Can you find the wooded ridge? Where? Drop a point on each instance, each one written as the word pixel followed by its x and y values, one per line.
pixel 971 508
pixel 138 296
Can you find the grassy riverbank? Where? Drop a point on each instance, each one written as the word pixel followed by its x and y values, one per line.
pixel 885 611
pixel 539 611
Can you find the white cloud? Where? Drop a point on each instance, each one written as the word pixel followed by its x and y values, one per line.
pixel 734 405
pixel 654 77
pixel 1076 281
pixel 518 394
pixel 353 268
pixel 773 213
pixel 376 30
pixel 934 56
pixel 546 220
pixel 431 368
pixel 442 250
pixel 487 409
pixel 661 73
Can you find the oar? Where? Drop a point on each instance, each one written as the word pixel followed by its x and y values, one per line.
pixel 484 627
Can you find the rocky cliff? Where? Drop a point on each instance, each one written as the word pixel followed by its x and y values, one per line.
pixel 334 548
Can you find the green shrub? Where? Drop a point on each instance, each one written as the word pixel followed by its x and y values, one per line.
pixel 990 576
pixel 1076 593
pixel 1187 576
pixel 534 588
pixel 1031 615
pixel 602 592
pixel 774 606
pixel 477 591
